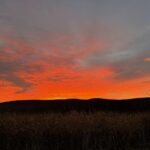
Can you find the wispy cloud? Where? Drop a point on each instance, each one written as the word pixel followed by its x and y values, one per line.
pixel 74 43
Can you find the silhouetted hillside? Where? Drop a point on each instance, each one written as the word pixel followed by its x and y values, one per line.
pixel 91 105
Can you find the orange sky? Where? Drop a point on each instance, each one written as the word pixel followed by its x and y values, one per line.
pixel 74 49
pixel 41 79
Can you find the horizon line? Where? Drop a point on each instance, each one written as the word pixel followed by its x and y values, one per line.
pixel 81 99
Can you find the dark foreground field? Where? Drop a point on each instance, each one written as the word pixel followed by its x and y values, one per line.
pixel 75 130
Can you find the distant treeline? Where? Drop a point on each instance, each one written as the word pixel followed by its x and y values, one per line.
pixel 91 105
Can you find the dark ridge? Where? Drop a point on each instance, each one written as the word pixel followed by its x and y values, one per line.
pixel 63 106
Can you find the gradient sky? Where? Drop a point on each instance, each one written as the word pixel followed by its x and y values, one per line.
pixel 74 48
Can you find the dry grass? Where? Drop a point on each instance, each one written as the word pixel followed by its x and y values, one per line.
pixel 75 131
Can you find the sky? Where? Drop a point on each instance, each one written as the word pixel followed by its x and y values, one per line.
pixel 74 49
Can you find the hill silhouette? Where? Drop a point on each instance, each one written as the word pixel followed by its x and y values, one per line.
pixel 90 105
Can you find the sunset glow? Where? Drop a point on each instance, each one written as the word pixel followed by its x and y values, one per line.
pixel 74 49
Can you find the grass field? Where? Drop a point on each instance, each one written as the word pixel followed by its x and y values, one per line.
pixel 75 131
